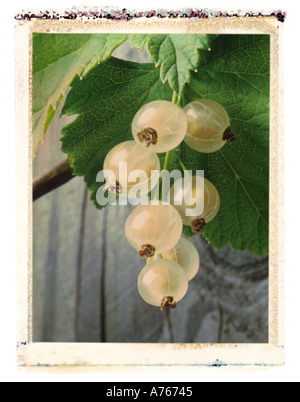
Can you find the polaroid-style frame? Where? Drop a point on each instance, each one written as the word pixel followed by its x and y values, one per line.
pixel 102 356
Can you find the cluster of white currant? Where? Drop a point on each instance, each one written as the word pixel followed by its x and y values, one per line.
pixel 155 229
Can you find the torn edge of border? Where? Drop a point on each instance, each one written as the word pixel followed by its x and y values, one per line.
pixel 94 13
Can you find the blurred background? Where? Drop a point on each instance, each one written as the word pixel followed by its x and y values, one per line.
pixel 85 273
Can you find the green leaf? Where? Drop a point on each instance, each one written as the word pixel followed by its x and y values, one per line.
pixel 106 101
pixel 177 54
pixel 57 59
pixel 236 75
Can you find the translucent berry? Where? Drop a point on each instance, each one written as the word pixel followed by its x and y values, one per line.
pixel 186 255
pixel 186 194
pixel 136 158
pixel 162 283
pixel 154 228
pixel 159 126
pixel 208 126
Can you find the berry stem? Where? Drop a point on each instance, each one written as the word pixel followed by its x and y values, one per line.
pixel 167 158
pixel 183 167
pixel 156 194
pixel 165 167
pixel 174 98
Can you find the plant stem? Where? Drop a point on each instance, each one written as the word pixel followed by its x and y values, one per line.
pixel 174 98
pixel 181 163
pixel 49 181
pixel 167 158
pixel 165 167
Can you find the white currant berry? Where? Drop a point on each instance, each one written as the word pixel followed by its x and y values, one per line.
pixel 136 158
pixel 186 194
pixel 162 283
pixel 186 255
pixel 154 228
pixel 159 126
pixel 208 126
